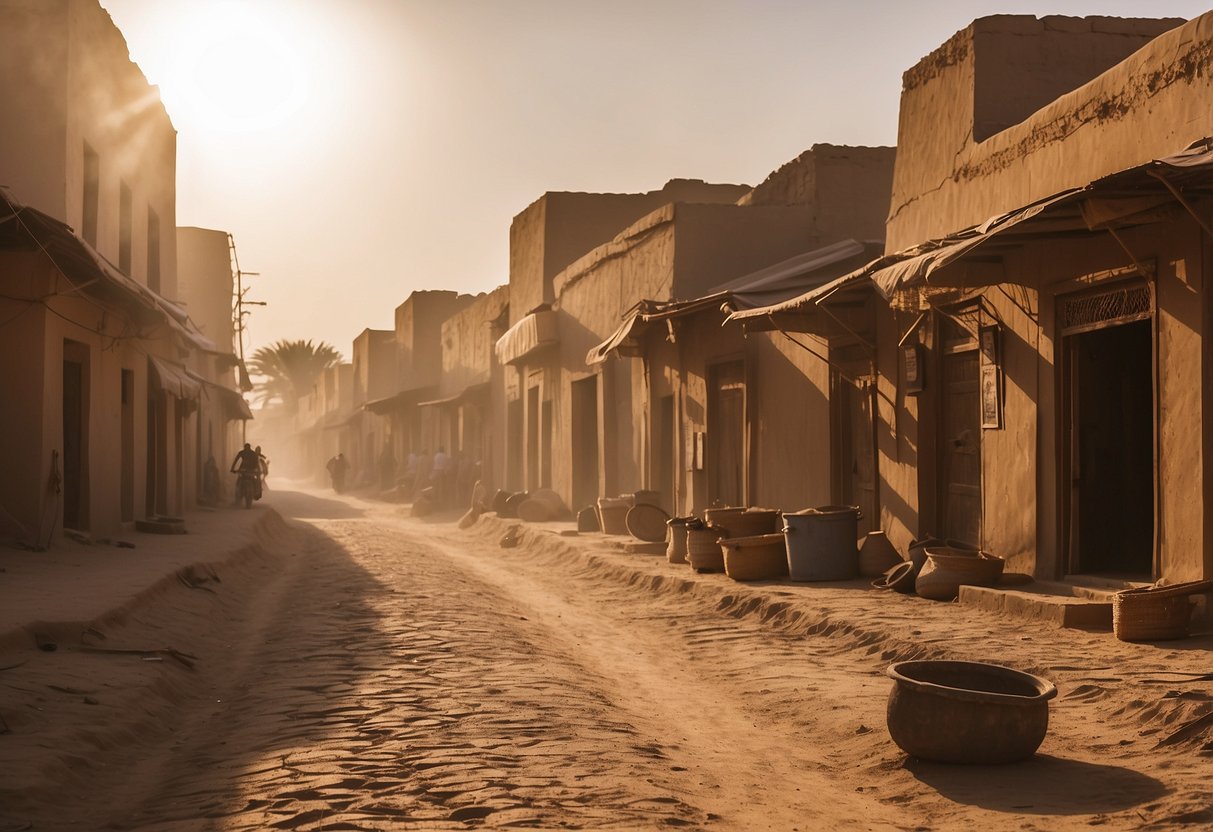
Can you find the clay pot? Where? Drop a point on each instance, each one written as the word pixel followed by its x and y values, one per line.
pixel 877 555
pixel 947 570
pixel 967 712
pixel 918 550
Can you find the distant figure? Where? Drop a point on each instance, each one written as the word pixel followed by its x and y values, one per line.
pixel 211 487
pixel 387 467
pixel 440 476
pixel 410 473
pixel 338 467
pixel 424 466
pixel 265 465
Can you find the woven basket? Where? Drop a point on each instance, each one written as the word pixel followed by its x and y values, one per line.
pixel 743 522
pixel 1155 613
pixel 676 549
pixel 613 514
pixel 761 557
pixel 703 551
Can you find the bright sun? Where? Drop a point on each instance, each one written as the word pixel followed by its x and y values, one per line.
pixel 234 70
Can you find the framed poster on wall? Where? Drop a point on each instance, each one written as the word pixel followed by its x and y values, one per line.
pixel 991 378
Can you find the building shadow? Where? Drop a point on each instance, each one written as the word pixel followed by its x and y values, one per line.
pixel 1044 785
pixel 298 505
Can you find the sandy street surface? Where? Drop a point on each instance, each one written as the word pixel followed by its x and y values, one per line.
pixel 362 670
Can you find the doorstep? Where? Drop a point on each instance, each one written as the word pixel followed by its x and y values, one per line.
pixel 1059 604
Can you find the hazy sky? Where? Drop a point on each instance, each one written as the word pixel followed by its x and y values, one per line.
pixel 361 149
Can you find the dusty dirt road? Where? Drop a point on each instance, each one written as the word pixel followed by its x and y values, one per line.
pixel 368 671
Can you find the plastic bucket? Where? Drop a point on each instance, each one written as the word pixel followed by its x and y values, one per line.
pixel 822 544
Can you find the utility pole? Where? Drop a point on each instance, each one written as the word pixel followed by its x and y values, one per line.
pixel 239 313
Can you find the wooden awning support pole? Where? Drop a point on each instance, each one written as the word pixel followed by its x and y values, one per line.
pixel 1182 200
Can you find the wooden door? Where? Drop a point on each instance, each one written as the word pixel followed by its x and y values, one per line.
pixel 727 456
pixel 960 445
pixel 855 463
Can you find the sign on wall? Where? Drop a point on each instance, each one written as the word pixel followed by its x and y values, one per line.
pixel 991 378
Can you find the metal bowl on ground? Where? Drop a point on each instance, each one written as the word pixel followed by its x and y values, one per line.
pixel 967 712
pixel 899 578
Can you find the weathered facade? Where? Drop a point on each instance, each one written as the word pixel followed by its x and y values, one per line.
pixel 99 417
pixel 470 391
pixel 1063 343
pixel 719 408
pixel 554 231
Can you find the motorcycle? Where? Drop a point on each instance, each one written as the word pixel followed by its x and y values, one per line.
pixel 248 488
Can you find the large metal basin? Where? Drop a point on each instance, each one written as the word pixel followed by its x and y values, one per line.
pixel 967 712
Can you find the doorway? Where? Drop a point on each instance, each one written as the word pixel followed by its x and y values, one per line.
pixel 727 447
pixel 959 439
pixel 1110 395
pixel 585 441
pixel 855 458
pixel 513 445
pixel 532 439
pixel 75 435
pixel 128 445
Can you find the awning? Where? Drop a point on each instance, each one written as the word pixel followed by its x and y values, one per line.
pixel 1134 196
pixel 235 408
pixel 88 271
pixel 936 254
pixel 793 276
pixel 399 401
pixel 173 378
pixel 772 284
pixel 531 334
pixel 470 392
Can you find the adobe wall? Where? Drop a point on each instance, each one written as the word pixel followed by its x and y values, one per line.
pixel 1150 104
pixel 718 243
pixel 67 73
pixel 847 189
pixel 33 86
pixel 430 310
pixel 468 341
pixel 374 360
pixel 560 227
pixel 787 413
pixel 205 283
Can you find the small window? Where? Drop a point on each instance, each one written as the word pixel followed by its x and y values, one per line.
pixel 92 195
pixel 124 230
pixel 153 250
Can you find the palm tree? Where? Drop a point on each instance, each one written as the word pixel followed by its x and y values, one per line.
pixel 289 369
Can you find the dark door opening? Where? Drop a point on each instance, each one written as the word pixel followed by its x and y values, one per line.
pixel 75 436
pixel 128 445
pixel 546 430
pixel 1111 400
pixel 727 455
pixel 513 445
pixel 532 438
pixel 585 441
pixel 662 473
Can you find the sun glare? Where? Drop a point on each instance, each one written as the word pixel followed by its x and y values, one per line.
pixel 236 70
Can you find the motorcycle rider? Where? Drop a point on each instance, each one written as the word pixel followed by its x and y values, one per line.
pixel 248 462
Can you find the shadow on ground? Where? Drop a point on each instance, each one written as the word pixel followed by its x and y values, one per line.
pixel 1043 785
pixel 298 505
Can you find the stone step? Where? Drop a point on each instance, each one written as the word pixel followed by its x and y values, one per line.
pixel 1071 607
